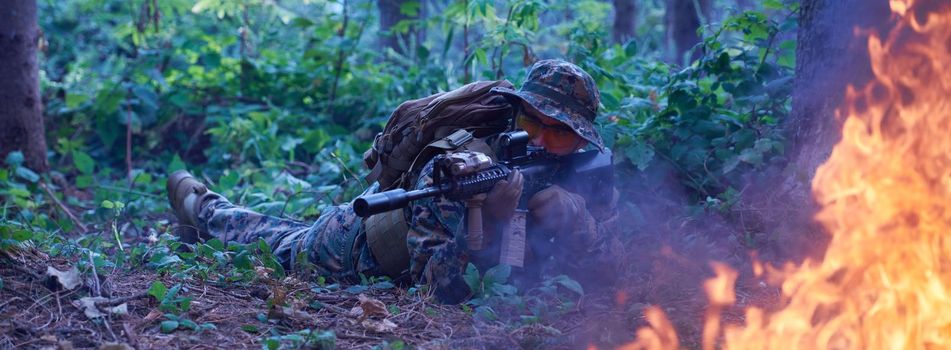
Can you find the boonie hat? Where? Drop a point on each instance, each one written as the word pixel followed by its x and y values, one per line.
pixel 564 92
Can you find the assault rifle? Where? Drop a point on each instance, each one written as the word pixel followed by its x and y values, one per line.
pixel 464 175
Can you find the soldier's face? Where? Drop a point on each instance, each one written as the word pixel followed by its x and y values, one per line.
pixel 555 137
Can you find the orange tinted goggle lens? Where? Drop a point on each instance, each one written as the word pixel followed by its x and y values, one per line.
pixel 553 137
pixel 528 125
pixel 561 140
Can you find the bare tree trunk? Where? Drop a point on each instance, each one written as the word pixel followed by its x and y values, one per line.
pixel 390 15
pixel 683 18
pixel 829 56
pixel 21 117
pixel 625 20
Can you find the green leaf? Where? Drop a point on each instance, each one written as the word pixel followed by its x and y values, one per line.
pixel 640 155
pixel 498 274
pixel 215 244
pixel 242 261
pixel 264 247
pixel 74 100
pixel 27 174
pixel 107 204
pixel 773 4
pixel 189 324
pixel 169 326
pixel 19 192
pixel 15 158
pixel 84 181
pixel 158 290
pixel 143 178
pixel 21 235
pixel 410 8
pixel 630 50
pixel 570 284
pixel 83 162
pixel 472 277
pixel 176 164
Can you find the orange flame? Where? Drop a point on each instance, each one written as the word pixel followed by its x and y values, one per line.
pixel 659 336
pixel 885 280
pixel 720 293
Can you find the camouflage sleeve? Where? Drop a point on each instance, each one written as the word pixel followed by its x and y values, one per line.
pixel 436 242
pixel 598 231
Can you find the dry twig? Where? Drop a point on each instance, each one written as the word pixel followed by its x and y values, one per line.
pixel 73 218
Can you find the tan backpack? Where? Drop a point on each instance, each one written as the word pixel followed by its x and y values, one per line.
pixel 417 128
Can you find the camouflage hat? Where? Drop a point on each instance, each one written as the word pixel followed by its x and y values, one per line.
pixel 564 92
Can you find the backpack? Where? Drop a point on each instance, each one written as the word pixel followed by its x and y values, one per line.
pixel 415 128
pixel 416 131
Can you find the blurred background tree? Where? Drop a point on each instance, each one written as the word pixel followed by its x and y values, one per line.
pixel 20 106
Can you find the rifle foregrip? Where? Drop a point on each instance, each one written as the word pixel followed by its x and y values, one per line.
pixel 380 202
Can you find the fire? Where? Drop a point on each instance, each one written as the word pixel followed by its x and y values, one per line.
pixel 885 280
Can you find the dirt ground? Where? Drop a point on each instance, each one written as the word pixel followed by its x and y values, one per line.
pixel 668 260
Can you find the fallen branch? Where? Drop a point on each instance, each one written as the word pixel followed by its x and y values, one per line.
pixel 117 301
pixel 73 218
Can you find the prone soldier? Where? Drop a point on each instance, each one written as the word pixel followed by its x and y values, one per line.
pixel 431 239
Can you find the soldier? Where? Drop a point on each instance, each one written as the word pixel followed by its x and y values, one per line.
pixel 558 101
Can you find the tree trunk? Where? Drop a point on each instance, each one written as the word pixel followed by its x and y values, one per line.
pixel 683 18
pixel 829 56
pixel 390 15
pixel 21 117
pixel 625 20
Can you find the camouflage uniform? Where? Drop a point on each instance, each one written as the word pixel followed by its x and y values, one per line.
pixel 336 245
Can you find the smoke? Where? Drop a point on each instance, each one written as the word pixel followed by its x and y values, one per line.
pixel 670 242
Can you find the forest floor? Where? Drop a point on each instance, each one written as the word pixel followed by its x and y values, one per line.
pixel 39 310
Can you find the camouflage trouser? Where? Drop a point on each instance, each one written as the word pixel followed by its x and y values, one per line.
pixel 335 246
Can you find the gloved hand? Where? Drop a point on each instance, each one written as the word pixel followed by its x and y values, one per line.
pixel 502 199
pixel 556 210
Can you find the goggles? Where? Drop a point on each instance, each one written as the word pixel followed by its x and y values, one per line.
pixel 554 137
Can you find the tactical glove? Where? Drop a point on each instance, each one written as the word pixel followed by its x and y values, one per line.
pixel 561 213
pixel 501 201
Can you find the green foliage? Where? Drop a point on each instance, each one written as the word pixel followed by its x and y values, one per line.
pixel 273 103
pixel 174 322
pixel 712 121
pixel 307 338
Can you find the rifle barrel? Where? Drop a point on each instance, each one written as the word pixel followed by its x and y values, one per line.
pixel 376 203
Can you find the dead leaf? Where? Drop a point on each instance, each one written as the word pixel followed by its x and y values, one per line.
pixel 384 326
pixel 289 313
pixel 278 295
pixel 372 307
pixel 121 309
pixel 88 305
pixel 152 316
pixel 356 312
pixel 69 279
pixel 49 337
pixel 263 272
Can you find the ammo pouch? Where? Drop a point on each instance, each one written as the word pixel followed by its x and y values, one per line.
pixel 386 232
